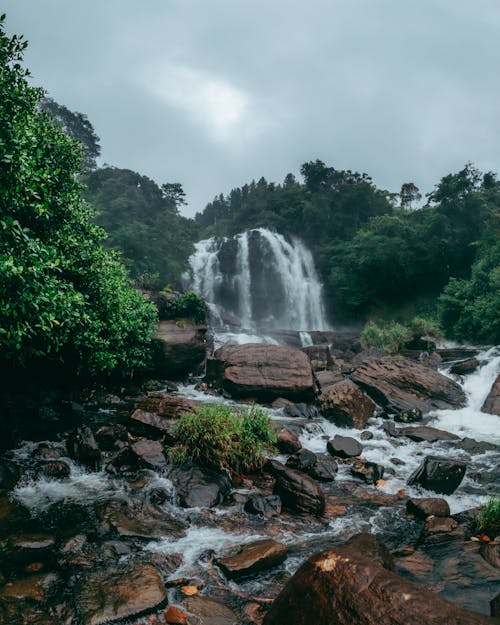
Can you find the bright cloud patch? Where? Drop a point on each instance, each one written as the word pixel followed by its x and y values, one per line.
pixel 220 108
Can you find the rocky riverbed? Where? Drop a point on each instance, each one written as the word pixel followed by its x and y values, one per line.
pixel 96 526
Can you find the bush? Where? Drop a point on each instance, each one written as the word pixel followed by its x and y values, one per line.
pixel 488 519
pixel 185 305
pixel 425 326
pixel 388 338
pixel 223 438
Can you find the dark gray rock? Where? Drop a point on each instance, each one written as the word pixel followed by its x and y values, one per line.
pixel 440 475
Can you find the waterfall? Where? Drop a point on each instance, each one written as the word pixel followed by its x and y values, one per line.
pixel 259 280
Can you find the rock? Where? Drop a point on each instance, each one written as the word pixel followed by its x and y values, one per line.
pixel 149 454
pixel 303 460
pixel 344 447
pixel 417 564
pixel 22 549
pixel 262 371
pixel 465 366
pixel 354 585
pixel 408 416
pixel 328 378
pixel 55 469
pixel 108 436
pixel 300 410
pixel 491 553
pixel 438 474
pixel 369 472
pixel 476 447
pixel 197 487
pixel 428 506
pixel 253 558
pixel 34 588
pixel 452 354
pixel 325 469
pixel 8 475
pixel 399 385
pixel 138 519
pixel 492 401
pixel 366 435
pixel 319 355
pixel 495 606
pixel 118 593
pixel 287 442
pixel 346 405
pixel 180 347
pixel 83 448
pixel 207 611
pixel 425 433
pixel 45 452
pixel 167 405
pixel 175 616
pixel 267 506
pixel 440 529
pixel 298 492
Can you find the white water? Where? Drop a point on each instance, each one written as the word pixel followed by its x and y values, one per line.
pixel 303 307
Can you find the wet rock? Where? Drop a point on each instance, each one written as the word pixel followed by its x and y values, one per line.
pixel 35 588
pixel 287 442
pixel 476 447
pixel 408 416
pixel 298 492
pixel 344 447
pixel 267 506
pixel 428 506
pixel 197 487
pixel 118 593
pixel 180 347
pixel 451 354
pixel 54 469
pixel 417 564
pixel 495 606
pixel 369 472
pixel 45 452
pixel 440 529
pixel 301 410
pixel 354 585
pixel 303 460
pixel 206 611
pixel 319 355
pixel 346 405
pixel 492 401
pixel 108 436
pixel 22 549
pixel 167 405
pixel 399 385
pixel 175 616
pixel 326 379
pixel 325 469
pixel 253 558
pixel 465 366
pixel 439 475
pixel 149 454
pixel 491 553
pixel 262 371
pixel 422 433
pixel 366 435
pixel 83 448
pixel 138 519
pixel 397 462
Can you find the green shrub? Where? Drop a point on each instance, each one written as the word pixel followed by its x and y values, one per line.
pixel 223 437
pixel 425 326
pixel 186 305
pixel 388 338
pixel 488 519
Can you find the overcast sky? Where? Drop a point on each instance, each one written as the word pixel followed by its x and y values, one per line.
pixel 213 93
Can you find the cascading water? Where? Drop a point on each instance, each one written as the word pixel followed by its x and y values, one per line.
pixel 260 281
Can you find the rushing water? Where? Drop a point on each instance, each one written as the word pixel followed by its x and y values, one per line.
pixel 258 280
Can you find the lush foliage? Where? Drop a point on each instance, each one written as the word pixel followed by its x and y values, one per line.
pixel 388 338
pixel 63 298
pixel 488 519
pixel 143 222
pixel 182 305
pixel 223 437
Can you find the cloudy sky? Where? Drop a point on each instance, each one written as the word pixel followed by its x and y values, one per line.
pixel 213 93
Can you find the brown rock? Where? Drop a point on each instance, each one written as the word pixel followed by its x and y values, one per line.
pixel 344 447
pixel 328 378
pixel 141 520
pixel 369 472
pixel 298 492
pixel 261 371
pixel 258 556
pixel 319 355
pixel 400 384
pixel 440 529
pixel 425 433
pixel 428 506
pixel 175 616
pixel 346 405
pixel 491 553
pixel 34 588
pixel 287 442
pixel 149 454
pixel 118 593
pixel 354 585
pixel 418 564
pixel 492 402
pixel 181 347
pixel 206 611
pixel 465 366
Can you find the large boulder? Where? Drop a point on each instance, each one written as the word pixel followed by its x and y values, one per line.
pixel 355 585
pixel 180 347
pixel 345 404
pixel 492 402
pixel 263 372
pixel 440 475
pixel 197 487
pixel 253 558
pixel 400 384
pixel 298 492
pixel 118 593
pixel 344 447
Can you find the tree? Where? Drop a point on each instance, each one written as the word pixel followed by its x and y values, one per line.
pixel 63 298
pixel 409 193
pixel 76 126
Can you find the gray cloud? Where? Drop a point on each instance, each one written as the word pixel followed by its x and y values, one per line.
pixel 213 94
